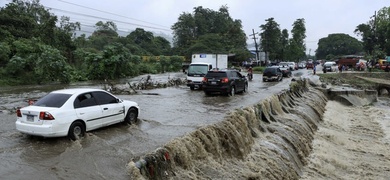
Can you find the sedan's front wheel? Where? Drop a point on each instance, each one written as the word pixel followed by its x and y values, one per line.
pixel 76 130
pixel 131 116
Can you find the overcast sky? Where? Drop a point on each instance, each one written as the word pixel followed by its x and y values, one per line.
pixel 323 17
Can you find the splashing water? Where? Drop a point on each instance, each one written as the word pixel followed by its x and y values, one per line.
pixel 269 140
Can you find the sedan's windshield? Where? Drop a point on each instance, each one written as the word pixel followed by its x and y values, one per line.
pixel 53 100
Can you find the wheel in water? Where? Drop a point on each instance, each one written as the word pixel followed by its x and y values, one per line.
pixel 131 116
pixel 76 130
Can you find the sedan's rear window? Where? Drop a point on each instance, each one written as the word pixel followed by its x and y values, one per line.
pixel 53 100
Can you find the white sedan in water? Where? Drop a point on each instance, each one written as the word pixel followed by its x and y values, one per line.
pixel 72 112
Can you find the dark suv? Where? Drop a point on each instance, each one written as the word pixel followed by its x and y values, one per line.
pixel 227 82
pixel 272 73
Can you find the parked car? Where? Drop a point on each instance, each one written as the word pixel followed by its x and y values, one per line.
pixel 330 66
pixel 327 67
pixel 272 73
pixel 283 64
pixel 309 66
pixel 227 82
pixel 293 66
pixel 72 112
pixel 301 65
pixel 286 71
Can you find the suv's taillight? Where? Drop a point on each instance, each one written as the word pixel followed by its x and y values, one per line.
pixel 225 80
pixel 45 116
pixel 204 79
pixel 18 113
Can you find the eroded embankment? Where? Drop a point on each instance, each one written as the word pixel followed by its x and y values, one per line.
pixel 269 140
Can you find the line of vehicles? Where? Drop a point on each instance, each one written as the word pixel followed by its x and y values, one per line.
pixel 210 73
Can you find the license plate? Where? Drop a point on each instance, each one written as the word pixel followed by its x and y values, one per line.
pixel 30 118
pixel 213 82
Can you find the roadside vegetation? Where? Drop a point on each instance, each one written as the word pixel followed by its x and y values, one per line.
pixel 37 47
pixel 258 69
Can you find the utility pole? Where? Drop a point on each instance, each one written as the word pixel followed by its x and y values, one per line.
pixel 375 37
pixel 257 49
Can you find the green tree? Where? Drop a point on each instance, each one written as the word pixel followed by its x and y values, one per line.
pixel 5 51
pixel 270 38
pixel 22 19
pixel 338 44
pixel 143 42
pixel 22 62
pixel 208 31
pixel 284 41
pixel 33 49
pixel 164 63
pixel 297 43
pixel 184 32
pixel 163 45
pixel 208 43
pixel 104 34
pixel 28 19
pixel 51 66
pixel 37 62
pixel 111 63
pixel 140 36
pixel 376 34
pixel 176 63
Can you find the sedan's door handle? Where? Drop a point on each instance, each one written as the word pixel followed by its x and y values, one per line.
pixel 105 108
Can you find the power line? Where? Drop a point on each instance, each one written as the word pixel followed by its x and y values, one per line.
pixel 107 19
pixel 112 13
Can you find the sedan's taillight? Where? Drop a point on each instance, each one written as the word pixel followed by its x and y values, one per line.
pixel 204 79
pixel 18 113
pixel 45 116
pixel 225 80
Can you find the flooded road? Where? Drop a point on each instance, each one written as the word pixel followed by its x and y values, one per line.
pixel 104 153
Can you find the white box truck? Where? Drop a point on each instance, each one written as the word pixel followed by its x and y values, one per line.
pixel 200 64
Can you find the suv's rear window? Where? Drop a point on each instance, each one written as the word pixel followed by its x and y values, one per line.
pixel 53 100
pixel 216 74
pixel 270 70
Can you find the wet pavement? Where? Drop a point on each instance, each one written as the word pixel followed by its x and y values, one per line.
pixel 104 153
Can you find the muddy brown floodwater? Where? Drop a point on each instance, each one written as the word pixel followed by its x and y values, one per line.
pixel 266 133
pixel 104 153
pixel 352 143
